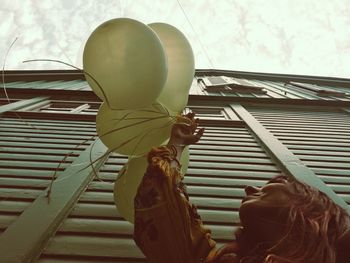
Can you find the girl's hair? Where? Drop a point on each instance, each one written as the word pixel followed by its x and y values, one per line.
pixel 317 231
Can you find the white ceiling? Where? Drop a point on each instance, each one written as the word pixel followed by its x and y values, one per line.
pixel 277 36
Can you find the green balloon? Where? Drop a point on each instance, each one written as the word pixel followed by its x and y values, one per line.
pixel 185 160
pixel 129 179
pixel 125 63
pixel 180 66
pixel 125 187
pixel 134 132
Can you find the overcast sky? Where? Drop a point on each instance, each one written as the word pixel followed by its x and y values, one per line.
pixel 307 37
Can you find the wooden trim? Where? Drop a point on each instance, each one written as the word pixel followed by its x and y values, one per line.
pixel 80 108
pixel 36 106
pixel 32 75
pixel 205 100
pixel 233 88
pixel 50 116
pixel 289 163
pixel 346 110
pixel 21 104
pixel 221 123
pixel 24 239
pixel 224 100
pixel 70 95
pixel 328 81
pixel 319 91
pixel 236 85
pixel 232 115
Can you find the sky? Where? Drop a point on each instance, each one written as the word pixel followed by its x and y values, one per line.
pixel 304 37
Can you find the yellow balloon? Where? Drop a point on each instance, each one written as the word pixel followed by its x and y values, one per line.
pixel 129 179
pixel 133 132
pixel 125 63
pixel 180 66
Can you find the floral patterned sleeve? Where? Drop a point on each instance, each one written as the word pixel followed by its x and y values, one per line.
pixel 167 226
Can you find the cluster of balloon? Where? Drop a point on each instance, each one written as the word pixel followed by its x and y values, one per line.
pixel 143 74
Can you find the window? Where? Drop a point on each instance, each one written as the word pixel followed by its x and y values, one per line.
pixel 320 91
pixel 213 113
pixel 54 106
pixel 230 85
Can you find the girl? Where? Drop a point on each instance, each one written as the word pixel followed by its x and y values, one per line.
pixel 284 221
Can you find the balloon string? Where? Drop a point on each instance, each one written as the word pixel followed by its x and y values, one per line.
pixel 125 168
pixel 96 160
pixel 92 162
pixel 123 144
pixel 70 65
pixel 54 176
pixel 140 118
pixel 172 121
pixel 112 150
pixel 87 73
pixel 165 109
pixel 143 111
pixel 134 118
pixel 9 101
pixel 104 156
pixel 108 152
pixel 195 33
pixel 3 69
pixel 133 124
pixel 4 83
pixel 120 145
pixel 125 117
pixel 157 110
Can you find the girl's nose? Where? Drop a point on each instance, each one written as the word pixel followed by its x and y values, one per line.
pixel 249 190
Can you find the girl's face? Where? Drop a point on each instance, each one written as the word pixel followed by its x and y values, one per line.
pixel 264 210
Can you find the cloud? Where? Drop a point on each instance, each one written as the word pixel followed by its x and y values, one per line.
pixel 279 36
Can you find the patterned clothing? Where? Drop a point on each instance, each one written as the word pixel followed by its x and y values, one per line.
pixel 168 228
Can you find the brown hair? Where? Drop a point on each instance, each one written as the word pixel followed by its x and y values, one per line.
pixel 317 231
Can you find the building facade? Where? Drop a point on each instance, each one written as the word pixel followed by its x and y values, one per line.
pixel 257 126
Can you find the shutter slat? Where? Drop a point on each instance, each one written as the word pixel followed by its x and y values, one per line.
pixel 321 139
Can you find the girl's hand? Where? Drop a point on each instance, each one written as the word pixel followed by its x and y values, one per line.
pixel 184 131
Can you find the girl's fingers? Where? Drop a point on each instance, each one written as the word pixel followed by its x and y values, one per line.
pixel 190 115
pixel 194 126
pixel 200 132
pixel 191 139
pixel 185 129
